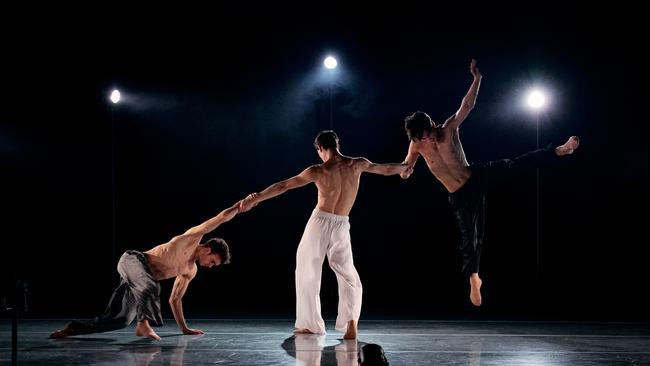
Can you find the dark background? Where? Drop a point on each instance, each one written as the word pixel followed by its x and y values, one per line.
pixel 220 103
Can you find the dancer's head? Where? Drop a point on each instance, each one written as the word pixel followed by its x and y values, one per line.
pixel 213 253
pixel 325 143
pixel 418 125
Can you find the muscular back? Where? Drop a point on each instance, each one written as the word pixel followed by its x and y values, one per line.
pixel 444 155
pixel 174 258
pixel 337 181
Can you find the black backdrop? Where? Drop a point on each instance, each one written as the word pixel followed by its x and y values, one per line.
pixel 214 110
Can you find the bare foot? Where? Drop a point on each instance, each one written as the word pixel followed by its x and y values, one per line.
pixel 302 331
pixel 569 146
pixel 144 330
pixel 352 330
pixel 57 334
pixel 475 293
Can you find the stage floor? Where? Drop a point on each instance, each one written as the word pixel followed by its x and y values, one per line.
pixel 270 342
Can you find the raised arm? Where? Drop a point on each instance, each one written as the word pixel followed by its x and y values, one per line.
pixel 305 177
pixel 469 100
pixel 383 169
pixel 224 216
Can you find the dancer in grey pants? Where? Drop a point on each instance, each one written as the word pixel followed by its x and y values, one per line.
pixel 138 295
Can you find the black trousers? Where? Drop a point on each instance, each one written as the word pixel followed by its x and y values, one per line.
pixel 468 202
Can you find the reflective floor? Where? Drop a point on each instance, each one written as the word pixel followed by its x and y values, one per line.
pixel 270 342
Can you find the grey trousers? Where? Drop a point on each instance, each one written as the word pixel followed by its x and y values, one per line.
pixel 137 296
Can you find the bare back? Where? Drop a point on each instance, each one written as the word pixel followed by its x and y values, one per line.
pixel 337 181
pixel 444 155
pixel 174 258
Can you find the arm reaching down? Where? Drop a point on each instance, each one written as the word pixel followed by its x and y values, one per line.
pixel 176 301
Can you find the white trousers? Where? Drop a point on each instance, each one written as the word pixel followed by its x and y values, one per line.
pixel 326 234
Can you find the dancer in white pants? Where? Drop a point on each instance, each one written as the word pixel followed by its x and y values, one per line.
pixel 327 233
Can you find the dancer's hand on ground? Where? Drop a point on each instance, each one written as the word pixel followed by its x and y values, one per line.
pixel 474 70
pixel 189 331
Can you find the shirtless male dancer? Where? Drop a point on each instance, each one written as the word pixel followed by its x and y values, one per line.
pixel 138 295
pixel 467 184
pixel 327 233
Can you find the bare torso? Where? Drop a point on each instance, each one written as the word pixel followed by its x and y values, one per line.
pixel 444 155
pixel 174 258
pixel 337 181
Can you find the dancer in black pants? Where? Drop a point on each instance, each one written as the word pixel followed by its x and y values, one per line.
pixel 467 184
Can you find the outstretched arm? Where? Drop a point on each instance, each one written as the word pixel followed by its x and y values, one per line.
pixel 468 101
pixel 224 216
pixel 383 169
pixel 305 177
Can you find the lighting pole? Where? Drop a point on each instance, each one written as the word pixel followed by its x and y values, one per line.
pixel 330 64
pixel 536 101
pixel 115 99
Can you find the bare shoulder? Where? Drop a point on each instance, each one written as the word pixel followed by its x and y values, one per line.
pixel 191 271
pixel 415 146
pixel 186 239
pixel 449 133
pixel 314 167
pixel 447 129
pixel 313 171
pixel 360 162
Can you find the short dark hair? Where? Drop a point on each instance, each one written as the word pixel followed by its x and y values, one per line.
pixel 416 124
pixel 327 140
pixel 219 246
